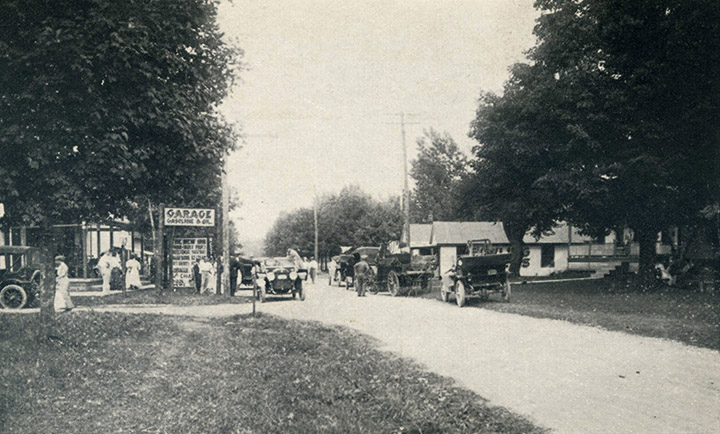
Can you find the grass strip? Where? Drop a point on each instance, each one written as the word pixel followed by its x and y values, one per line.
pixel 147 373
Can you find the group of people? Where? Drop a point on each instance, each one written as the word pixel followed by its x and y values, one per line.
pixel 205 275
pixel 303 263
pixel 110 268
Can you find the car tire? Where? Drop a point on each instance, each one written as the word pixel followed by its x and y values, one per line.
pixel 444 294
pixel 393 284
pixel 13 297
pixel 460 293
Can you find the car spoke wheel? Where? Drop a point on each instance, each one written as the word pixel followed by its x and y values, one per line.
pixel 506 292
pixel 460 293
pixel 393 284
pixel 444 293
pixel 13 297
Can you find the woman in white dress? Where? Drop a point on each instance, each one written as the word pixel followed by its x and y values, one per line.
pixel 132 275
pixel 212 278
pixel 62 302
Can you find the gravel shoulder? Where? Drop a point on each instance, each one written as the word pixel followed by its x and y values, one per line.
pixel 567 377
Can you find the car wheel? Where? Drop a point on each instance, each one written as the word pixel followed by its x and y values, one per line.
pixel 13 297
pixel 444 294
pixel 506 292
pixel 460 293
pixel 393 284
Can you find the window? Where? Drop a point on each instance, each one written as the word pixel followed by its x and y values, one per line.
pixel 547 256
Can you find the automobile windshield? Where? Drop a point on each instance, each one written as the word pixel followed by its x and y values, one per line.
pixel 279 262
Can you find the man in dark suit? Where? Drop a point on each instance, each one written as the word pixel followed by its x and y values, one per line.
pixel 234 267
pixel 197 277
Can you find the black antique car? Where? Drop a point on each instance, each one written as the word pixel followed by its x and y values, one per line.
pixel 402 273
pixel 279 276
pixel 245 270
pixel 479 273
pixel 21 280
pixel 345 272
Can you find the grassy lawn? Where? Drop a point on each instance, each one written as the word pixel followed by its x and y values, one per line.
pixel 145 373
pixel 182 297
pixel 672 313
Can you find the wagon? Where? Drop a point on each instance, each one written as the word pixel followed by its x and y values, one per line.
pixel 480 273
pixel 401 273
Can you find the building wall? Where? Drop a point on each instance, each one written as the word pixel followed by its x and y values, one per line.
pixel 535 268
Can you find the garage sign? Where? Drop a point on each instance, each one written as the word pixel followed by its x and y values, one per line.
pixel 189 217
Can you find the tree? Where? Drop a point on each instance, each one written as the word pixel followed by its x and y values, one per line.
pixel 349 218
pixel 635 96
pixel 511 161
pixel 106 106
pixel 438 172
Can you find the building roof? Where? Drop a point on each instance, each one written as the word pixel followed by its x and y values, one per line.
pixel 419 235
pixel 458 233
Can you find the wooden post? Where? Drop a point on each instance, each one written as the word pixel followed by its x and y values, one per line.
pixel 99 247
pixel 158 251
pixel 225 277
pixel 83 241
pixel 112 236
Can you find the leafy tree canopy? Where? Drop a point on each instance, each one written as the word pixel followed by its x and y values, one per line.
pixel 105 105
pixel 438 172
pixel 349 218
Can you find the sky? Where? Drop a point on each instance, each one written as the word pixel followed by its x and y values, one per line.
pixel 325 81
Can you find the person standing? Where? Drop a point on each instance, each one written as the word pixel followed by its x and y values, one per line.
pixel 62 301
pixel 212 277
pixel 116 274
pixel 132 275
pixel 234 269
pixel 332 267
pixel 197 277
pixel 313 268
pixel 205 269
pixel 104 266
pixel 362 271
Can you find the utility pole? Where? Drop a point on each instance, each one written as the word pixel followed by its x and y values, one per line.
pixel 225 277
pixel 158 250
pixel 406 189
pixel 315 217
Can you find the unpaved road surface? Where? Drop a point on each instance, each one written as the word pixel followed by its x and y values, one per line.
pixel 572 379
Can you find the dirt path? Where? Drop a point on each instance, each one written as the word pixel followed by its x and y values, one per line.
pixel 573 379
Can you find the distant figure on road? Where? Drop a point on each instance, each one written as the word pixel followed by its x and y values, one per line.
pixel 362 271
pixel 313 268
pixel 332 267
pixel 132 275
pixel 62 301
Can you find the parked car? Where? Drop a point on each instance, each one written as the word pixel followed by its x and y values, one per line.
pixel 279 276
pixel 245 270
pixel 20 284
pixel 481 272
pixel 346 271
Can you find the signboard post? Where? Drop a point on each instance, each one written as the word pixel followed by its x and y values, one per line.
pixel 189 217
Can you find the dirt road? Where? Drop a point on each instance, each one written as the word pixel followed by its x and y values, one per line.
pixel 573 379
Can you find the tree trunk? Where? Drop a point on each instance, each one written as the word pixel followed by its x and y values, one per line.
pixel 515 236
pixel 646 268
pixel 47 293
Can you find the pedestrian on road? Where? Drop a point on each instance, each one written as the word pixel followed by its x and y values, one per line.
pixel 294 256
pixel 132 275
pixel 313 268
pixel 62 301
pixel 332 267
pixel 362 271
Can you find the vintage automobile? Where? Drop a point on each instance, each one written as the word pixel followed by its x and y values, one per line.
pixel 481 272
pixel 245 270
pixel 401 273
pixel 279 276
pixel 346 271
pixel 21 282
